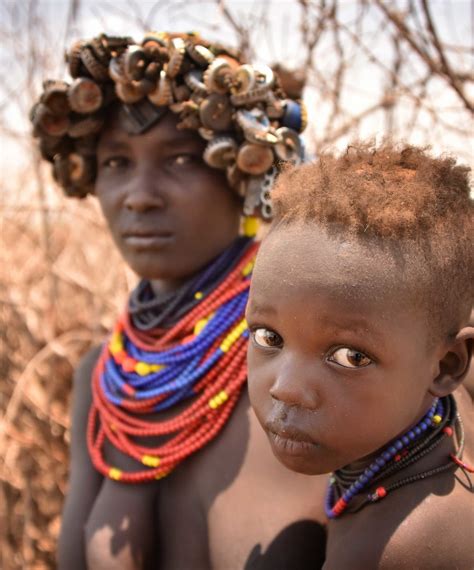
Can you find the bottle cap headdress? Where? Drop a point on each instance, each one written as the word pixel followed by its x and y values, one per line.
pixel 240 109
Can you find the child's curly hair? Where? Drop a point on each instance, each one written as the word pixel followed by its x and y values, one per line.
pixel 402 200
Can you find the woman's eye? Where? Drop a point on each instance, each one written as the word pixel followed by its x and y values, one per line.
pixel 267 338
pixel 115 162
pixel 350 358
pixel 183 159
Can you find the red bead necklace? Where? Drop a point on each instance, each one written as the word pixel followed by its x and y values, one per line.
pixel 120 408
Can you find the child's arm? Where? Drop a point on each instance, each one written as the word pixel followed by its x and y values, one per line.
pixel 84 480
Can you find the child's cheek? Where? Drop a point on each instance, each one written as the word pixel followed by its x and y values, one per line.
pixel 259 384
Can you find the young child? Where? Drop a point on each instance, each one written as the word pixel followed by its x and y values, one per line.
pixel 169 469
pixel 358 312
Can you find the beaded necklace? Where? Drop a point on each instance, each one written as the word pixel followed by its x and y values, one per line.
pixel 201 359
pixel 441 421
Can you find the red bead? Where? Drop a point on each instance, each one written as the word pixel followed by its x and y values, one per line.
pixel 380 492
pixel 397 457
pixel 120 356
pixel 462 464
pixel 129 364
pixel 448 431
pixel 128 389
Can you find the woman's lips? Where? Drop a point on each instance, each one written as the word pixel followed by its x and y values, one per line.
pixel 148 241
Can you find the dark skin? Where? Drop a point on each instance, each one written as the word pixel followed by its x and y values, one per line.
pixel 341 361
pixel 232 505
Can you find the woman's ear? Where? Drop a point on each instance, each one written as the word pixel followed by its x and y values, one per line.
pixel 454 364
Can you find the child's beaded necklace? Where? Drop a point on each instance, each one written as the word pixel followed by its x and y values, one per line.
pixel 442 420
pixel 140 372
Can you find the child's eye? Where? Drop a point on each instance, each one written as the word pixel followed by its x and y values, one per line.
pixel 267 338
pixel 350 358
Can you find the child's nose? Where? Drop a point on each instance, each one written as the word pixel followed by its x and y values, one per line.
pixel 296 384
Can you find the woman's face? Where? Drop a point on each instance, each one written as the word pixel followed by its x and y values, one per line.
pixel 169 213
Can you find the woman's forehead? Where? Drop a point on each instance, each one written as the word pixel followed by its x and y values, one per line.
pixel 164 131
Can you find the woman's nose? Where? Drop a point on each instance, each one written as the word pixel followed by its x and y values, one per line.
pixel 296 384
pixel 144 193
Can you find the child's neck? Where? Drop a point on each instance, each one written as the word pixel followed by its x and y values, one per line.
pixel 364 462
pixel 406 460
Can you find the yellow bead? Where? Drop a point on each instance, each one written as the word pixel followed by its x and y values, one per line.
pixel 161 475
pixel 199 326
pixel 233 336
pixel 116 337
pixel 248 268
pixel 115 343
pixel 115 473
pixel 198 295
pixel 115 346
pixel 437 419
pixel 212 404
pixel 142 368
pixel 251 225
pixel 156 367
pixel 150 461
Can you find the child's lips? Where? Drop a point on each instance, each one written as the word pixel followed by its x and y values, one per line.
pixel 289 440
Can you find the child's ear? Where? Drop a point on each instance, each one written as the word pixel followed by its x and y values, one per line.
pixel 454 364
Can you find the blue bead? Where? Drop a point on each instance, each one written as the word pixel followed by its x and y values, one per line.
pixel 358 485
pixel 292 117
pixel 405 440
pixel 417 430
pixel 363 479
pixel 385 457
pixel 392 450
pixel 376 467
pixel 398 445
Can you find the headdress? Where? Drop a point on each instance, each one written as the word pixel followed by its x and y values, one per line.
pixel 240 109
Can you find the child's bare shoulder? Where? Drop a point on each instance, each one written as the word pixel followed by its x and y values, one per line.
pixel 431 531
pixel 438 533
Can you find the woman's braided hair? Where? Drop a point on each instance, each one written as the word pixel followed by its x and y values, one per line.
pixel 240 109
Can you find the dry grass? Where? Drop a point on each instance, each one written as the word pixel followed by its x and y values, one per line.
pixel 52 310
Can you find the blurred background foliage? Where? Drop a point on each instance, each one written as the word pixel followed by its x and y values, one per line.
pixel 371 68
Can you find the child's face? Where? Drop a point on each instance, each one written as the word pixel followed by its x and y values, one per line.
pixel 339 358
pixel 169 213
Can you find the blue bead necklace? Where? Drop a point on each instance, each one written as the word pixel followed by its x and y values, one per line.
pixel 345 484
